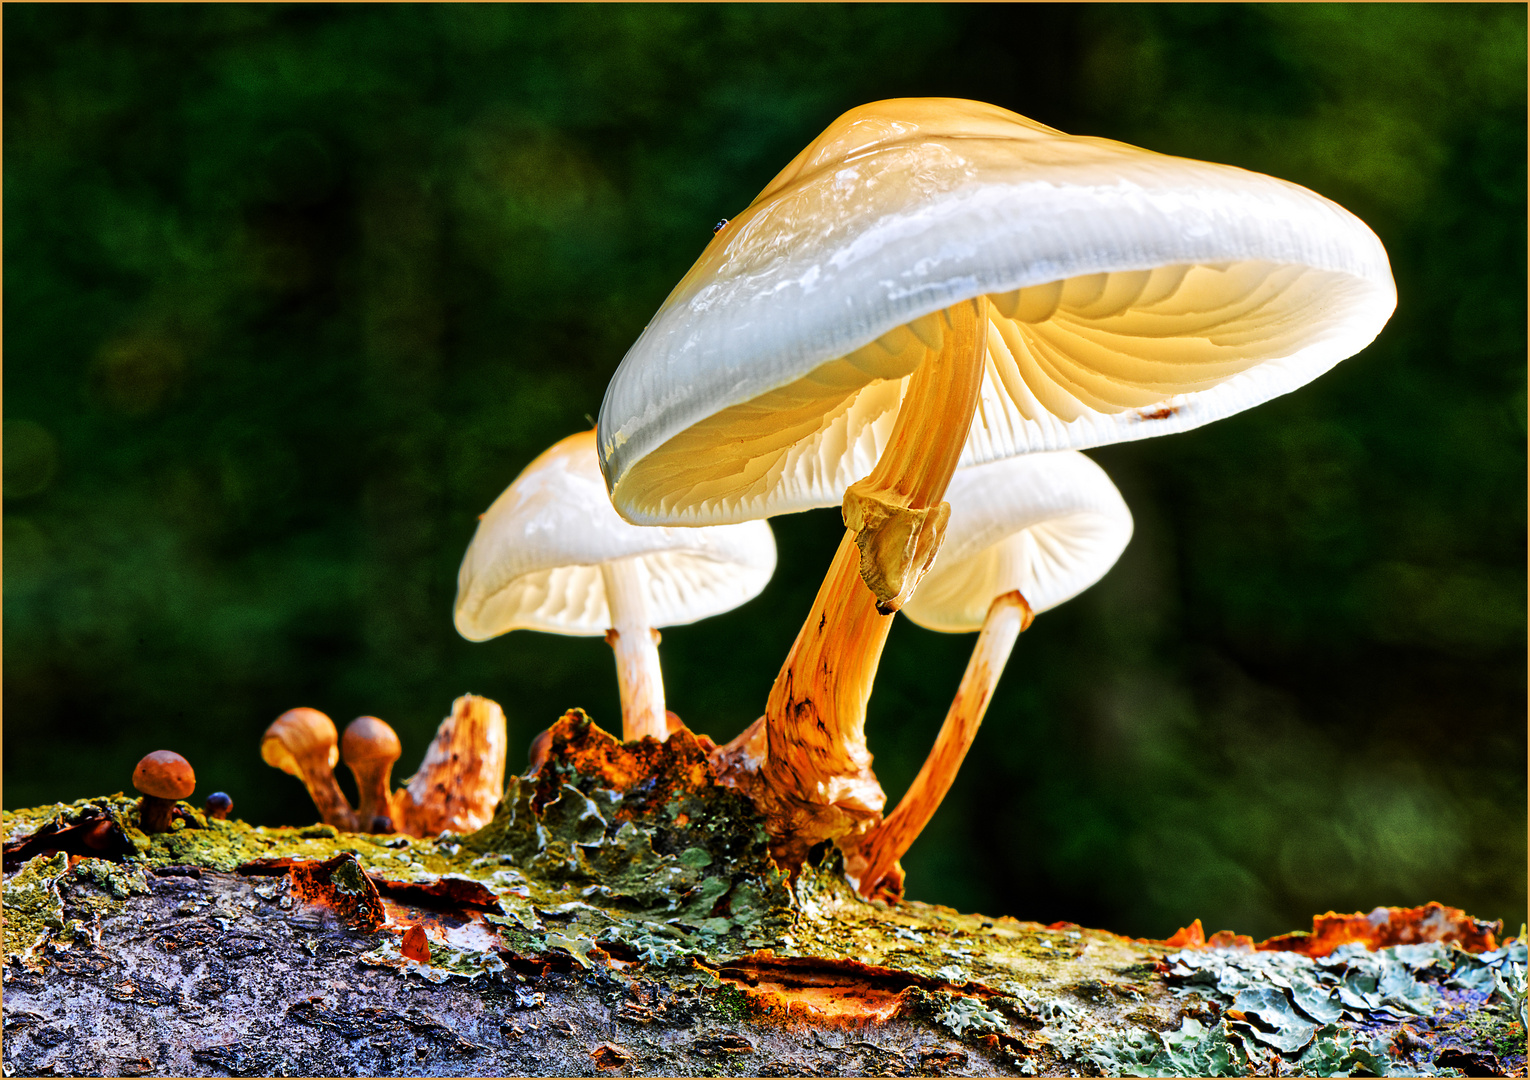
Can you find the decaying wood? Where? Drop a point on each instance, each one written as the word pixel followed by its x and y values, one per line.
pixel 620 915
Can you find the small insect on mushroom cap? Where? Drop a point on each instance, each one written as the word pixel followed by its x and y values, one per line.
pixel 367 738
pixel 164 774
pixel 299 733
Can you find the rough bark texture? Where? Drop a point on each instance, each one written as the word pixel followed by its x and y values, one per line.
pixel 621 915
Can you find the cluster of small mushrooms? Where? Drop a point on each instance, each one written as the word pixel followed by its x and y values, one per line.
pixel 922 319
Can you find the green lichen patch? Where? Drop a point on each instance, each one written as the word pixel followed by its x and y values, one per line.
pixel 633 846
pixel 964 1016
pixel 34 908
pixel 620 865
pixel 118 880
pixel 1381 1011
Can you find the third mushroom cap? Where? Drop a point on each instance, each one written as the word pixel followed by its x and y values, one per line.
pixel 551 554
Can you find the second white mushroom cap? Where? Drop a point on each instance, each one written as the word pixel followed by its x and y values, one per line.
pixel 1049 525
pixel 535 560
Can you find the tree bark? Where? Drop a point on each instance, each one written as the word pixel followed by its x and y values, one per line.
pixel 621 916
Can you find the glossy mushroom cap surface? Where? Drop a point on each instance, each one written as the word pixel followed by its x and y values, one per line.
pixel 1130 294
pixel 164 774
pixel 368 739
pixel 300 734
pixel 1048 525
pixel 535 560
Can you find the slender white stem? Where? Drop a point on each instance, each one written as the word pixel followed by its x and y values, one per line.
pixel 633 640
pixel 872 854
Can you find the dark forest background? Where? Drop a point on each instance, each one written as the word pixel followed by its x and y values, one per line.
pixel 292 292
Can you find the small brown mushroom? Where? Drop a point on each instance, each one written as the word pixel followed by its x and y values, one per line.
pixel 303 743
pixel 218 805
pixel 161 778
pixel 370 747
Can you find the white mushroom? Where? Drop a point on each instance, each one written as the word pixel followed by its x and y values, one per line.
pixel 551 554
pixel 925 262
pixel 1026 534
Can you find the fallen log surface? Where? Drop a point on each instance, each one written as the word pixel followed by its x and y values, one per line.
pixel 621 916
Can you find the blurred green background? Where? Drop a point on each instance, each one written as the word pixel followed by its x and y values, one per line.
pixel 292 292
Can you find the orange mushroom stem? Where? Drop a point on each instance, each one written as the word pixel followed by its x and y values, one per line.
pixel 817 782
pixel 871 858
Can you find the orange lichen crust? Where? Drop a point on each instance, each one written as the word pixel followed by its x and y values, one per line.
pixel 577 746
pixel 339 884
pixel 1390 926
pixel 831 993
pixel 1378 929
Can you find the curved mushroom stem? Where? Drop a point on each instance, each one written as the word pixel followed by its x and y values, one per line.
pixel 816 782
pixel 636 645
pixel 302 742
pixel 896 512
pixel 334 808
pixel 871 856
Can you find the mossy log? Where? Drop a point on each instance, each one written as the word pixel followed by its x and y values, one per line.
pixel 621 915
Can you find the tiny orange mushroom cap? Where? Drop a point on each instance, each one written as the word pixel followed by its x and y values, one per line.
pixel 369 748
pixel 303 743
pixel 161 778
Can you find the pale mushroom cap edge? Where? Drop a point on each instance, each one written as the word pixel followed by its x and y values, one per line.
pixel 1047 524
pixel 534 562
pixel 768 381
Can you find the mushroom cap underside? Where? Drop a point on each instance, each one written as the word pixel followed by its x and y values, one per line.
pixel 1130 294
pixel 164 774
pixel 535 561
pixel 1047 524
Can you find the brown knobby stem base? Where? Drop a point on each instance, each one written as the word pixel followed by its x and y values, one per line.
pixel 871 858
pixel 815 781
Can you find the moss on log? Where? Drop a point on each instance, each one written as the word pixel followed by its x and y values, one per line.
pixel 621 915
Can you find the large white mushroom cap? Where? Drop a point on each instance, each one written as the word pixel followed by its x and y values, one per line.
pixel 1131 294
pixel 1048 524
pixel 535 560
